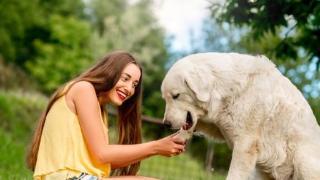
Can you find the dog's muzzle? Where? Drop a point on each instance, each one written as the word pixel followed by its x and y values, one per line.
pixel 189 121
pixel 167 123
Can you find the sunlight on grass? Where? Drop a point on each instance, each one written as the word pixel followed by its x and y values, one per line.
pixel 176 168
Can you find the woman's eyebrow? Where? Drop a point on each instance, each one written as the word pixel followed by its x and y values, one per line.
pixel 127 75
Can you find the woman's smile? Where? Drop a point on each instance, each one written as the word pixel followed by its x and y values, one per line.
pixel 122 96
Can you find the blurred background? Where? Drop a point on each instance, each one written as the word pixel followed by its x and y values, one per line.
pixel 45 43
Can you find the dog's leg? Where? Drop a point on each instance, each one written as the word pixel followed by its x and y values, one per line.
pixel 244 158
pixel 259 175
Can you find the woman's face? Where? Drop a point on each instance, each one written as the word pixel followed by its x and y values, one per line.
pixel 126 85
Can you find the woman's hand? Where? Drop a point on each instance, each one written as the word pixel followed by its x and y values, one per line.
pixel 170 146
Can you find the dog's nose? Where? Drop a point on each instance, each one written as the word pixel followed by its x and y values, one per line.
pixel 167 123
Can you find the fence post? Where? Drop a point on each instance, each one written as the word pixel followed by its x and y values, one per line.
pixel 209 156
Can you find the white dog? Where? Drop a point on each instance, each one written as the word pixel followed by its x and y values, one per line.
pixel 247 102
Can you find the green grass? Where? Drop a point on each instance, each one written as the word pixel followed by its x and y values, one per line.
pixel 177 168
pixel 18 113
pixel 12 158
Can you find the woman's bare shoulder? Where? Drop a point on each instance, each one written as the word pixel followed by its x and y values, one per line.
pixel 81 89
pixel 83 85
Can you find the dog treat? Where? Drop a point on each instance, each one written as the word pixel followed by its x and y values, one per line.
pixel 183 134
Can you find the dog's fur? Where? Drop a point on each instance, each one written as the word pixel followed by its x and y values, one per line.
pixel 247 102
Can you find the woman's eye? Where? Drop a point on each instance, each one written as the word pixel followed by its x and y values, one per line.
pixel 175 96
pixel 124 79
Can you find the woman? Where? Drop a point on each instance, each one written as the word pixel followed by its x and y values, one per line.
pixel 71 139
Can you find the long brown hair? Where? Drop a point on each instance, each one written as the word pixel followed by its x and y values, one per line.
pixel 103 76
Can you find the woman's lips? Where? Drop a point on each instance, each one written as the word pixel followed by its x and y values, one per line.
pixel 121 95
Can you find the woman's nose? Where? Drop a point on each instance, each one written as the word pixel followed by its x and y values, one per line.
pixel 128 89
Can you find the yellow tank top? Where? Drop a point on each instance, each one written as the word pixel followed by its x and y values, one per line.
pixel 62 144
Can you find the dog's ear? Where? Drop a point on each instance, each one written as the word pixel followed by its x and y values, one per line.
pixel 198 83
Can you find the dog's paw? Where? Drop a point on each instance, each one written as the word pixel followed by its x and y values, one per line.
pixel 183 134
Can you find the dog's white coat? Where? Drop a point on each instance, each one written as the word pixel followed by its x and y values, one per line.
pixel 245 101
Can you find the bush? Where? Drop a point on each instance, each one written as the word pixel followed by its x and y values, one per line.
pixel 18 113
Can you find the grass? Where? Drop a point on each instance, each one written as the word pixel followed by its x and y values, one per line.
pixel 18 114
pixel 177 168
pixel 12 158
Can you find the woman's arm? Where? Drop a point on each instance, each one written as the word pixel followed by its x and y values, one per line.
pixel 88 112
pixel 123 155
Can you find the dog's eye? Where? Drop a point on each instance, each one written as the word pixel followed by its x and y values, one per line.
pixel 175 96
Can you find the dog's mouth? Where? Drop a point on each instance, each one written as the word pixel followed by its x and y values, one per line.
pixel 189 122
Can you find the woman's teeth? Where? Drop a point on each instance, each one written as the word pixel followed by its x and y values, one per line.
pixel 121 95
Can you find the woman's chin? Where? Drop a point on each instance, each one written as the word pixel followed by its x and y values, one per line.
pixel 117 103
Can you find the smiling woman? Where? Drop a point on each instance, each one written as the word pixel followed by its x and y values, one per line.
pixel 126 86
pixel 71 139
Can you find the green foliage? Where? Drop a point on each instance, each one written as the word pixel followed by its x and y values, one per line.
pixel 100 9
pixel 314 103
pixel 135 30
pixel 18 113
pixel 64 55
pixel 16 18
pixel 13 77
pixel 22 22
pixel 296 23
pixel 73 8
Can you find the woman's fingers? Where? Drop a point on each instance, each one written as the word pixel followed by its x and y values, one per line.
pixel 180 148
pixel 178 140
pixel 174 134
pixel 177 150
pixel 172 145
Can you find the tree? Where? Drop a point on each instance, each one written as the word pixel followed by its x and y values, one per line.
pixel 98 10
pixel 295 23
pixel 136 30
pixel 16 18
pixel 64 54
pixel 22 22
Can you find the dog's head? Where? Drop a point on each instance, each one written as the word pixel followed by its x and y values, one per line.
pixel 185 90
pixel 201 86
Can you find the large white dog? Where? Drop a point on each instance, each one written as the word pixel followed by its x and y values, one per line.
pixel 247 102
